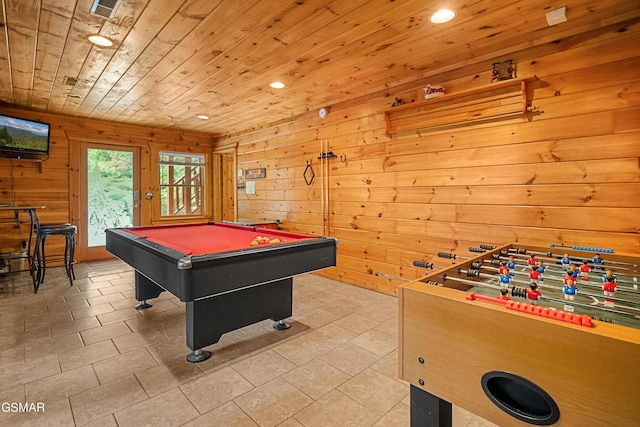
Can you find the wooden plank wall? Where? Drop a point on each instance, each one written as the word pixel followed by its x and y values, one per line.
pixel 568 173
pixel 48 183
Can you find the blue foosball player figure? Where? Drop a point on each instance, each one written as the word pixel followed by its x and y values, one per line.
pixel 505 279
pixel 597 261
pixel 570 290
pixel 565 261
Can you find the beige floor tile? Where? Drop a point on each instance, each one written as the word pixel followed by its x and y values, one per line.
pixel 125 303
pixel 99 402
pixel 103 333
pixel 376 342
pixel 375 391
pixel 128 342
pixel 171 408
pixel 215 389
pixel 399 415
pixel 86 355
pixel 263 367
pixel 145 322
pixel 316 378
pixel 168 375
pixel 388 365
pixel 290 422
pixel 335 410
pixel 228 414
pixel 40 348
pixel 317 317
pixel 103 299
pixel 302 349
pixel 350 358
pixel 79 313
pixel 273 402
pixel 64 328
pixel 356 323
pixel 118 316
pixel 108 421
pixel 115 288
pixel 389 327
pixel 126 364
pixel 23 338
pixel 24 373
pixel 12 356
pixel 62 385
pixel 331 335
pixel 384 310
pixel 344 306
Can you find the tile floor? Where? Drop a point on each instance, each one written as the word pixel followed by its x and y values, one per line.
pixel 93 360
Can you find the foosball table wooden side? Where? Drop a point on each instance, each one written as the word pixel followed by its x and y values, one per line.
pixel 451 347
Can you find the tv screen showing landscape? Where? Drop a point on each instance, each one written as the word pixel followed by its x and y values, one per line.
pixel 23 136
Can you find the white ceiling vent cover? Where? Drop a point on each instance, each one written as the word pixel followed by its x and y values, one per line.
pixel 103 8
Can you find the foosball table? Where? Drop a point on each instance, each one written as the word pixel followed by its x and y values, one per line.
pixel 514 347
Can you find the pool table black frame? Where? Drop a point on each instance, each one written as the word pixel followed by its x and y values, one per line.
pixel 222 291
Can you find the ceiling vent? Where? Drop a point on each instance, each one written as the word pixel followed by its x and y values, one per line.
pixel 69 81
pixel 103 8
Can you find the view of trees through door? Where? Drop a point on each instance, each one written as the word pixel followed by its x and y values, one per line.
pixel 110 189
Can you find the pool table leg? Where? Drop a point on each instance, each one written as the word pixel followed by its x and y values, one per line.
pixel 145 289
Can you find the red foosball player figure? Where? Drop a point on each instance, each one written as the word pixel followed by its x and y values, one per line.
pixel 570 290
pixel 585 268
pixel 534 274
pixel 609 287
pixel 503 269
pixel 504 294
pixel 533 294
pixel 573 271
pixel 532 260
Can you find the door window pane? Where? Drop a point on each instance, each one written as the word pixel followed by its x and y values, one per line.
pixel 181 183
pixel 109 192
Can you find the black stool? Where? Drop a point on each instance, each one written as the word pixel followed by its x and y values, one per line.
pixel 40 259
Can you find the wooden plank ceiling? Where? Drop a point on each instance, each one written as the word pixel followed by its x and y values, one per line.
pixel 174 59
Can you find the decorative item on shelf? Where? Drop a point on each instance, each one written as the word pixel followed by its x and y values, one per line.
pixel 433 91
pixel 502 71
pixel 308 174
pixel 397 101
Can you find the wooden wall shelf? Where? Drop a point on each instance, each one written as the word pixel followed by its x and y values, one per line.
pixel 504 99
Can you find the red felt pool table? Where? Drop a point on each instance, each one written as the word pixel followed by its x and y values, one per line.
pixel 226 281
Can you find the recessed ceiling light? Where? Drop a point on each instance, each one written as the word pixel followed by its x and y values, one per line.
pixel 73 95
pixel 277 85
pixel 442 16
pixel 99 40
pixel 202 117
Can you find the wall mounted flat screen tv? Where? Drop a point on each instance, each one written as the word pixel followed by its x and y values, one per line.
pixel 23 138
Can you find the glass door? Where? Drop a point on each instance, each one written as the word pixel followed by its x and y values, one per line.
pixel 109 195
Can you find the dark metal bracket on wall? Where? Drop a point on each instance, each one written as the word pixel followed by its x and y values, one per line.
pixel 332 155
